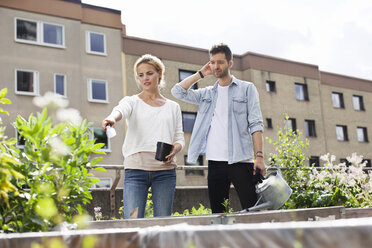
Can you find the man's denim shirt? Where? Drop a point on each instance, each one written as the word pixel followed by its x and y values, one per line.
pixel 245 118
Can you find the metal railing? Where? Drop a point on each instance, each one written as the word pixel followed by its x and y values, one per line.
pixel 118 169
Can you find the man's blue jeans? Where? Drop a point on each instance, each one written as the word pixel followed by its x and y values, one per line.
pixel 136 185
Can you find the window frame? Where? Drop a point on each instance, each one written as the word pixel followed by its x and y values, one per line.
pixel 199 162
pixel 344 132
pixel 39 33
pixel 36 83
pixel 92 137
pixel 293 124
pixel 309 130
pixel 195 86
pixel 18 136
pixel 269 123
pixel 94 186
pixel 270 86
pixel 316 159
pixel 88 41
pixel 340 99
pixel 183 121
pixel 90 91
pixel 64 84
pixel 360 102
pixel 365 134
pixel 368 164
pixel 305 91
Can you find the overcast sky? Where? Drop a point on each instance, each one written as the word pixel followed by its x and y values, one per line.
pixel 336 35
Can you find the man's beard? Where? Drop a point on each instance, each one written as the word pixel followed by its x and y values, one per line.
pixel 223 73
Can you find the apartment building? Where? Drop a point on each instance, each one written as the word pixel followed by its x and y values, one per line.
pixel 82 52
pixel 65 47
pixel 332 111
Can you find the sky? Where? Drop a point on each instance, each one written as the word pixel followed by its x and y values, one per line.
pixel 335 35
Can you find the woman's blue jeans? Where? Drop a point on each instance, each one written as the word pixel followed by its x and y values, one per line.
pixel 137 184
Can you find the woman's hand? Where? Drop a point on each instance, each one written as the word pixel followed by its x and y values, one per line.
pixel 176 148
pixel 107 122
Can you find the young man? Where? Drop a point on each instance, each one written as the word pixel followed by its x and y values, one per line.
pixel 228 128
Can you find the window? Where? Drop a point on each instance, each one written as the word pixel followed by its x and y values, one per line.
pixel 21 141
pixel 96 43
pixel 194 172
pixel 291 124
pixel 188 120
pixel 358 103
pixel 27 82
pixel 100 137
pixel 97 91
pixel 52 34
pixel 362 134
pixel 104 182
pixel 344 160
pixel 270 86
pixel 338 100
pixel 314 161
pixel 269 123
pixel 184 74
pixel 39 33
pixel 368 164
pixel 301 92
pixel 60 84
pixel 341 133
pixel 26 30
pixel 310 128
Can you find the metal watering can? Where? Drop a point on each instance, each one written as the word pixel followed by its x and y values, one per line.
pixel 273 191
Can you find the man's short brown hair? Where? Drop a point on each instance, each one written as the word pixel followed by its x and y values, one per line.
pixel 221 48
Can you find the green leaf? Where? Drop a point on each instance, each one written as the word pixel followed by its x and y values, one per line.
pixel 95 161
pixel 3 92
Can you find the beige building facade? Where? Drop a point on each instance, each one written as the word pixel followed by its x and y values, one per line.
pixel 65 47
pixel 296 89
pixel 82 52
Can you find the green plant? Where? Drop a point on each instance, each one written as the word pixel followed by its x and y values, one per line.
pixel 54 165
pixel 337 184
pixel 200 211
pixel 290 152
pixel 149 210
pixel 226 204
pixel 7 162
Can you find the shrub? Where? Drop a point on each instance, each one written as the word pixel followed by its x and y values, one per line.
pixel 54 163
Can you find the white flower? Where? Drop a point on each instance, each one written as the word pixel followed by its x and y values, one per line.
pixel 97 213
pixel 333 158
pixel 58 147
pixel 324 157
pixel 51 101
pixel 355 159
pixel 70 115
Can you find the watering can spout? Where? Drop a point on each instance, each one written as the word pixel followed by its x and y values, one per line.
pixel 265 205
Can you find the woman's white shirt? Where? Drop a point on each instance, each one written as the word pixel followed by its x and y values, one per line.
pixel 147 124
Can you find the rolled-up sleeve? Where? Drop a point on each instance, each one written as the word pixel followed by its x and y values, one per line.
pixel 254 110
pixel 190 96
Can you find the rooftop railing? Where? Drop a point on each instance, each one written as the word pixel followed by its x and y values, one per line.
pixel 118 169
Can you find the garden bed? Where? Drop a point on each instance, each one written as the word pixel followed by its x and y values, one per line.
pixel 316 227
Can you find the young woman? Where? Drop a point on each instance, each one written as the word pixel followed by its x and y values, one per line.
pixel 150 118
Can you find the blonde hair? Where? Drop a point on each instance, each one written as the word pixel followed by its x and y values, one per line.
pixel 155 62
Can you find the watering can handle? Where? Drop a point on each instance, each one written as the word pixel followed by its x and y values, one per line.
pixel 276 167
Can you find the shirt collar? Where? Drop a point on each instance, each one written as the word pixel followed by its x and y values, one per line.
pixel 233 81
